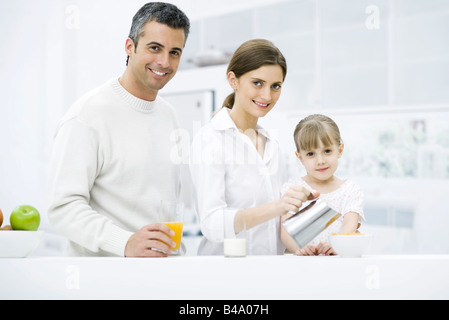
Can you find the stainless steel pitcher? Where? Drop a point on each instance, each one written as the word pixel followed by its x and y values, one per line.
pixel 310 221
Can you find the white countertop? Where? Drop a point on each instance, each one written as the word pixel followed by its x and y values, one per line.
pixel 206 278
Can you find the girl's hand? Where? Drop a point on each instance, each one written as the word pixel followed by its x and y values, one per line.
pixel 308 250
pixel 325 249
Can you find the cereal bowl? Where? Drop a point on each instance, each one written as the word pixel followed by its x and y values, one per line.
pixel 350 245
pixel 18 244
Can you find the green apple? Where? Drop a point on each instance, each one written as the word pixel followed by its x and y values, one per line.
pixel 25 218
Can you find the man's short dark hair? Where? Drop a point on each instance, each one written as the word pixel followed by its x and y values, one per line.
pixel 161 12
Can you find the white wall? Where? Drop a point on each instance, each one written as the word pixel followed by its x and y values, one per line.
pixel 361 61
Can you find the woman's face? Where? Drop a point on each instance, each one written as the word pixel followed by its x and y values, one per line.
pixel 257 91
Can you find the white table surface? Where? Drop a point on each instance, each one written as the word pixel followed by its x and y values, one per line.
pixel 206 278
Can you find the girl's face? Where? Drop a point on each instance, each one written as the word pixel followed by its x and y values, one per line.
pixel 257 91
pixel 321 163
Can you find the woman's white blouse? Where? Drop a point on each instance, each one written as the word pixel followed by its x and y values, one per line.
pixel 229 175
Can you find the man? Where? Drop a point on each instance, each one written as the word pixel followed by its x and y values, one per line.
pixel 111 165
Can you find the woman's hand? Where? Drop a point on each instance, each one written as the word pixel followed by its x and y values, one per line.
pixel 293 199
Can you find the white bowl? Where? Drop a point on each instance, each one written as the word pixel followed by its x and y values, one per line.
pixel 350 246
pixel 18 244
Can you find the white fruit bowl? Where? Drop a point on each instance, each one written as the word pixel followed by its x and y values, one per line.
pixel 18 244
pixel 350 246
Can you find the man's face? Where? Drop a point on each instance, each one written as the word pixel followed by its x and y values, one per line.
pixel 156 59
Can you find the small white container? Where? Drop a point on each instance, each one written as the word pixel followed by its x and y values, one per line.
pixel 234 245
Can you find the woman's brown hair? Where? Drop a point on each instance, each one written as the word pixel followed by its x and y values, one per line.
pixel 252 55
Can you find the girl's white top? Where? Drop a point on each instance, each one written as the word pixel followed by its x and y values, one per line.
pixel 229 175
pixel 347 198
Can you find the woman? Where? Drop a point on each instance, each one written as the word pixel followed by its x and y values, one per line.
pixel 235 162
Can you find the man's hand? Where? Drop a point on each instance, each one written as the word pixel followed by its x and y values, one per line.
pixel 151 241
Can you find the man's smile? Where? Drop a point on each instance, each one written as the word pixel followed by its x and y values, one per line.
pixel 160 74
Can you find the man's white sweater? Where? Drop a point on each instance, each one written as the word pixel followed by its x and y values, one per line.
pixel 111 168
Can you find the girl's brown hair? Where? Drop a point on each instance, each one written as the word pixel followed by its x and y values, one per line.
pixel 252 55
pixel 315 129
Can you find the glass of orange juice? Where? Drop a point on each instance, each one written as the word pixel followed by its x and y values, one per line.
pixel 172 215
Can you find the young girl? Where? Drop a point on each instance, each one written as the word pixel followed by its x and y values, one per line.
pixel 235 162
pixel 319 146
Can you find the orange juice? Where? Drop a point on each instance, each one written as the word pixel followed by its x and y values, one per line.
pixel 177 228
